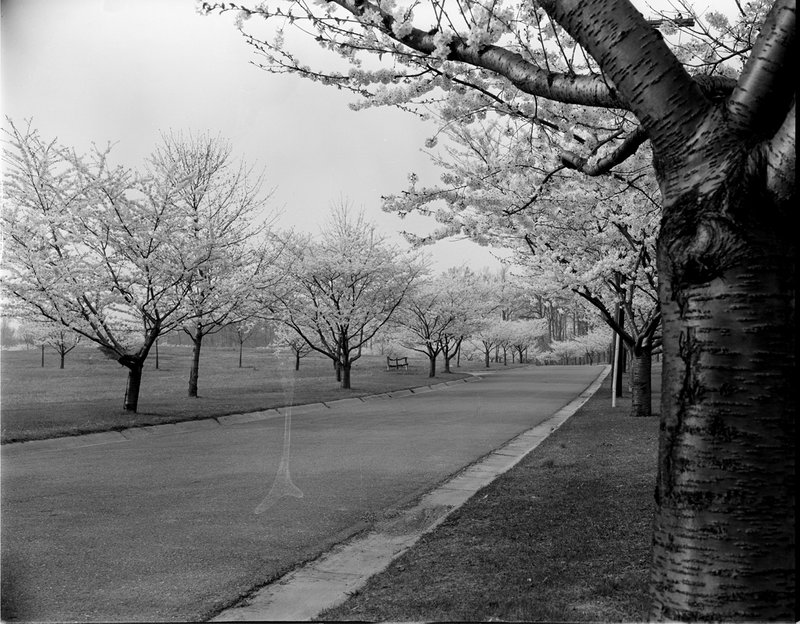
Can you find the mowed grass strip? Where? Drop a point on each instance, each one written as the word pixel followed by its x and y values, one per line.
pixel 87 395
pixel 563 536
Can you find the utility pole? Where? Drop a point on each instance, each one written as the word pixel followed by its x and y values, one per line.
pixel 619 359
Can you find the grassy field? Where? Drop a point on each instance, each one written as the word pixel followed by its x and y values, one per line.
pixel 86 396
pixel 564 536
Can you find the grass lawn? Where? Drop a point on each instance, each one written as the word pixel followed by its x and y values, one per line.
pixel 563 536
pixel 86 396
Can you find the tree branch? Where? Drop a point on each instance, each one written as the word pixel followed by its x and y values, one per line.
pixel 781 157
pixel 607 316
pixel 669 104
pixel 768 83
pixel 625 150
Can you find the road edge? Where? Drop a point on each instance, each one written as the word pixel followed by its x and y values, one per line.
pixel 328 580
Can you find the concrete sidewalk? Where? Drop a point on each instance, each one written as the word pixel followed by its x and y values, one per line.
pixel 304 593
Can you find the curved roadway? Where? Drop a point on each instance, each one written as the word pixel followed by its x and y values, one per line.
pixel 177 526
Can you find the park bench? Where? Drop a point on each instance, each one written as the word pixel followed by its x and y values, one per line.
pixel 401 362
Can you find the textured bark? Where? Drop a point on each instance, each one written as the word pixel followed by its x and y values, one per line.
pixel 345 374
pixel 646 75
pixel 345 363
pixel 723 545
pixel 194 373
pixel 431 366
pixel 641 385
pixel 131 403
pixel 724 533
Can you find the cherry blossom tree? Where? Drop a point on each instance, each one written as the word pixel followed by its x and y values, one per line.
pixel 491 297
pixel 502 300
pixel 348 284
pixel 443 311
pixel 724 156
pixel 224 208
pixel 486 335
pixel 49 334
pixel 497 298
pixel 524 335
pixel 588 346
pixel 425 322
pixel 94 248
pixel 461 297
pixel 508 295
pixel 285 335
pixel 243 329
pixel 593 237
pixel 603 249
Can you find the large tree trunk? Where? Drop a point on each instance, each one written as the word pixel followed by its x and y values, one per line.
pixel 431 365
pixel 135 368
pixel 194 373
pixel 641 384
pixel 723 544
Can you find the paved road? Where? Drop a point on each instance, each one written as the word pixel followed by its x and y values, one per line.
pixel 165 527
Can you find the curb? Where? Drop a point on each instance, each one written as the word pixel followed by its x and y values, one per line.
pixel 328 580
pixel 186 426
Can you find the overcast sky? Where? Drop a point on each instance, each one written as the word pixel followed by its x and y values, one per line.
pixel 124 70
